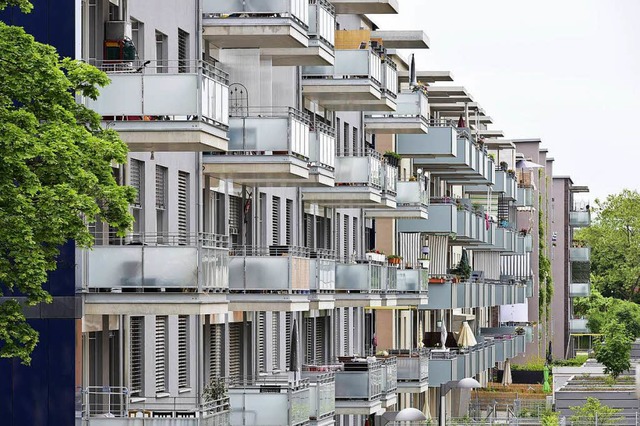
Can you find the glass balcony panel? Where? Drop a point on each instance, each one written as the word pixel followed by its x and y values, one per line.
pixel 579 219
pixel 322 393
pixel 295 9
pixel 269 269
pixel 411 366
pixel 359 170
pixel 412 193
pixel 578 325
pixel 322 149
pixel 360 381
pixel 322 21
pixel 412 280
pixel 439 142
pixel 445 295
pixel 443 367
pixel 390 78
pixel 443 218
pixel 389 376
pixel 390 178
pixel 411 115
pixel 579 289
pixel 579 254
pixel 322 274
pixel 364 277
pixel 525 197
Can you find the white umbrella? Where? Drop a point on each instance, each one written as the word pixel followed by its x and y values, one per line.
pixel 466 337
pixel 443 336
pixel 526 164
pixel 506 375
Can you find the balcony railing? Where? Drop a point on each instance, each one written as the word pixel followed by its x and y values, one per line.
pixel 390 177
pixel 443 219
pixel 412 280
pixel 350 64
pixel 269 269
pixel 579 254
pixel 525 197
pixel 154 261
pixel 363 170
pixel 270 400
pixel 322 270
pixel 111 404
pixel 269 130
pixel 411 115
pixel 322 149
pixel 413 366
pixel 363 277
pixel 390 375
pixel 390 78
pixel 412 194
pixel 579 219
pixel 322 21
pixel 323 392
pixel 578 325
pixel 579 289
pixel 359 380
pixel 297 10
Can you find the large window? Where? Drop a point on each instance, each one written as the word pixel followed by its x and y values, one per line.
pixel 161 53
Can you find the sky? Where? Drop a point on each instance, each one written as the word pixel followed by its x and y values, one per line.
pixel 564 71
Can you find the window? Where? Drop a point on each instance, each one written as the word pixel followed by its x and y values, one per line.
pixel 183 352
pixel 345 139
pixel 183 51
pixel 275 220
pixel 137 37
pixel 161 354
pixel 183 206
pixel 161 201
pixel 162 65
pixel 136 354
pixel 288 222
pixel 136 179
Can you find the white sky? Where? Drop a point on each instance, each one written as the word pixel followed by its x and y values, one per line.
pixel 566 71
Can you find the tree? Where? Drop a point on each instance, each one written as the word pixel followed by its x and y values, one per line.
pixel 614 238
pixel 604 310
pixel 615 351
pixel 593 412
pixel 56 175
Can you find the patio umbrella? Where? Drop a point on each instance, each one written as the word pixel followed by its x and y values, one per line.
pixel 526 164
pixel 443 336
pixel 461 122
pixel 549 354
pixel 466 337
pixel 413 80
pixel 546 388
pixel 506 375
pixel 293 357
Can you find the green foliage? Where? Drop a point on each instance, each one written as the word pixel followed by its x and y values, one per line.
pixel 615 351
pixel 604 310
pixel 545 279
pixel 571 362
pixel 24 5
pixel 215 390
pixel 392 154
pixel 592 409
pixel 463 270
pixel 55 176
pixel 614 238
pixel 549 418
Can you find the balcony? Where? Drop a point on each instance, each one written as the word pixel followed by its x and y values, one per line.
pixel 361 7
pixel 269 400
pixel 154 267
pixel 322 279
pixel 357 283
pixel 458 363
pixel 412 199
pixel 389 382
pixel 413 370
pixel 412 286
pixel 579 326
pixel 268 146
pixel 579 254
pixel 237 24
pixel 359 387
pixel 167 106
pixel 360 80
pixel 443 219
pixel 579 219
pixel 322 27
pixel 111 406
pixel 322 387
pixel 358 183
pixel 322 154
pixel 579 290
pixel 508 346
pixel 505 239
pixel 506 184
pixel 270 278
pixel 411 116
pixel 525 197
pixel 524 244
pixel 438 144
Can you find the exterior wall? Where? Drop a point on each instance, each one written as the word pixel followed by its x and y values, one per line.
pixel 560 266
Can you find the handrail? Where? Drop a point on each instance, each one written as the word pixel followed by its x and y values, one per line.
pixel 161 239
pixel 174 66
pixel 270 251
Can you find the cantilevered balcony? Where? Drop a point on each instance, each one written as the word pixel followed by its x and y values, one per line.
pixel 322 154
pixel 361 7
pixel 505 239
pixel 322 279
pixel 111 405
pixel 508 346
pixel 322 27
pixel 443 219
pixel 412 286
pixel 270 277
pixel 457 363
pixel 413 370
pixel 579 289
pixel 322 388
pixel 524 244
pixel 360 80
pixel 267 146
pixel 360 283
pixel 579 219
pixel 412 200
pixel 525 197
pixel 269 400
pixel 506 185
pixel 579 326
pixel 411 116
pixel 358 183
pixel 147 267
pixel 166 106
pixel 439 143
pixel 238 24
pixel 359 387
pixel 579 254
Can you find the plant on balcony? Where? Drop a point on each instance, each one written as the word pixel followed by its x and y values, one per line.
pixel 463 270
pixel 524 232
pixel 215 390
pixel 393 158
pixel 511 173
pixel 420 87
pixel 477 208
pixel 493 157
pixel 394 259
pixel 504 166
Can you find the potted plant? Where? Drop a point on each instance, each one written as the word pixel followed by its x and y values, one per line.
pixel 375 255
pixel 524 232
pixel 511 173
pixel 393 158
pixel 504 166
pixel 493 157
pixel 394 259
pixel 477 208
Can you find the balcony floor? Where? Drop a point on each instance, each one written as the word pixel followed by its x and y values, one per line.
pixel 344 196
pixel 157 303
pixel 347 94
pixel 268 302
pixel 265 170
pixel 413 386
pixel 402 212
pixel 395 125
pixel 345 300
pixel 160 135
pixel 357 407
pixel 317 54
pixel 244 33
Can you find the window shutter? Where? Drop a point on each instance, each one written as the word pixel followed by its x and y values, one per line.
pixel 235 333
pixel 261 338
pixel 183 51
pixel 216 344
pixel 354 235
pixel 319 341
pixel 345 330
pixel 275 220
pixel 308 230
pixel 136 178
pixel 288 221
pixel 161 354
pixel 161 187
pixel 275 339
pixel 183 205
pixel 309 357
pixel 345 238
pixel 136 354
pixel 336 244
pixel 355 140
pixel 235 207
pixel 183 342
pixel 287 336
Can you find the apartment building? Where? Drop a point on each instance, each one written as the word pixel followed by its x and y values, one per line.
pixel 253 288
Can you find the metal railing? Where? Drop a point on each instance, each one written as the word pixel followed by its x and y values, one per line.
pixel 297 10
pixel 361 380
pixel 323 149
pixel 413 365
pixel 202 239
pixel 322 21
